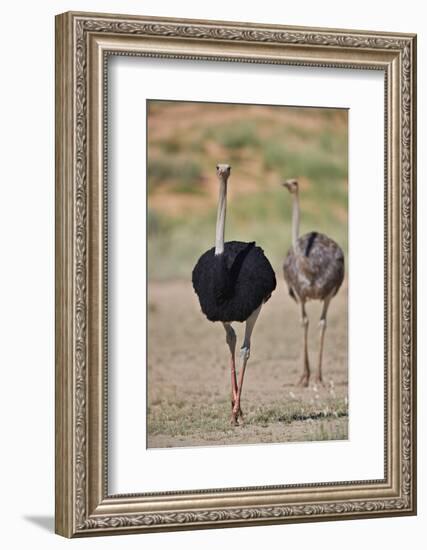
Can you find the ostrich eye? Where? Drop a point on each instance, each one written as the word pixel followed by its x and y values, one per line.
pixel 217 167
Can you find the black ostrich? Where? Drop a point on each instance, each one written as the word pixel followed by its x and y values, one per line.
pixel 232 281
pixel 313 270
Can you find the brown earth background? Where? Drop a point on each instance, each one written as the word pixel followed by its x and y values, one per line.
pixel 188 372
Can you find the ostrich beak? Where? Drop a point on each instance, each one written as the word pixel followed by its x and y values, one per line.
pixel 223 170
pixel 291 185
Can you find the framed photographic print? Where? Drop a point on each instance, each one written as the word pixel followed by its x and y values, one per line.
pixel 235 274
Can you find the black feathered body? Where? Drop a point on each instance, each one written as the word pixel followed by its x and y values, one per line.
pixel 232 285
pixel 316 270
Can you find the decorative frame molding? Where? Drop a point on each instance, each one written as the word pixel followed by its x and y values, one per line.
pixel 83 43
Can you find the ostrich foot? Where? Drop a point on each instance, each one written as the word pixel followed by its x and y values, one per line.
pixel 235 419
pixel 236 415
pixel 319 380
pixel 303 381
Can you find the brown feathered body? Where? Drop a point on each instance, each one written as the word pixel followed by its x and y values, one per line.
pixel 315 270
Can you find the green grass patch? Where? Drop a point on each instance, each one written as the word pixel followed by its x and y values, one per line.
pixel 180 174
pixel 336 431
pixel 234 136
pixel 297 410
pixel 179 419
pixel 158 224
pixel 307 162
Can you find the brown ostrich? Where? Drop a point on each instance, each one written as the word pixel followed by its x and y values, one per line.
pixel 313 270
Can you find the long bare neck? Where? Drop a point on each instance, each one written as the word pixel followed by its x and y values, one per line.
pixel 220 218
pixel 295 220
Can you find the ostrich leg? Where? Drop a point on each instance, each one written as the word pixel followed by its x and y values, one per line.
pixel 305 377
pixel 231 341
pixel 322 326
pixel 244 356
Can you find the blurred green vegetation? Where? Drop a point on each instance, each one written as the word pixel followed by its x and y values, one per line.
pixel 234 136
pixel 265 145
pixel 184 174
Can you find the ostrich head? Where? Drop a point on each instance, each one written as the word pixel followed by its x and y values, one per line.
pixel 291 186
pixel 223 171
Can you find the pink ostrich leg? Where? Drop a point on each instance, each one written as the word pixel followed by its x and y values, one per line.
pixel 244 356
pixel 231 341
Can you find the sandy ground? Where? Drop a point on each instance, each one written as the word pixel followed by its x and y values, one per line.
pixel 189 376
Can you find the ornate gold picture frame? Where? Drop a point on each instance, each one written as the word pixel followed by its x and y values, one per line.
pixel 84 42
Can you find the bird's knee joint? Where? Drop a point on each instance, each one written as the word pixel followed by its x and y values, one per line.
pixel 304 322
pixel 245 353
pixel 322 324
